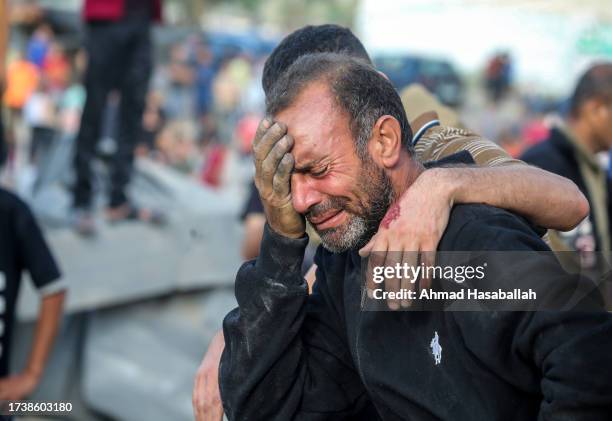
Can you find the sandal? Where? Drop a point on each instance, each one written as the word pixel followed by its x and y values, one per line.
pixel 84 224
pixel 129 212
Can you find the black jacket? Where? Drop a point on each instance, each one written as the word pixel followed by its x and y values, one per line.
pixel 557 154
pixel 293 356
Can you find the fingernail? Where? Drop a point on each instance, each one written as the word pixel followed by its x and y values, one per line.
pixel 266 123
pixel 394 306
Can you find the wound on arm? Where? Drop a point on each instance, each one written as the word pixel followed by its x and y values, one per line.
pixel 392 214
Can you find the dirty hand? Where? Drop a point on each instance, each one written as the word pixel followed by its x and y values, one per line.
pixel 273 167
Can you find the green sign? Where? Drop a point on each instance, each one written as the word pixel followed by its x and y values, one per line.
pixel 596 40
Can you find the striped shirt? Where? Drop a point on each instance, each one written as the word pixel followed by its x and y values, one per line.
pixel 439 142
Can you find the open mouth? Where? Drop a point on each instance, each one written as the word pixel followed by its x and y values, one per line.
pixel 328 220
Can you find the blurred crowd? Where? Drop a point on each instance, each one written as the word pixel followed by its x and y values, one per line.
pixel 512 115
pixel 204 103
pixel 43 95
pixel 201 107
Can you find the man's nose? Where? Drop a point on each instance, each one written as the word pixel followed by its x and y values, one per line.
pixel 303 195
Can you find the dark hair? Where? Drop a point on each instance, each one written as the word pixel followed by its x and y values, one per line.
pixel 359 90
pixel 308 40
pixel 594 83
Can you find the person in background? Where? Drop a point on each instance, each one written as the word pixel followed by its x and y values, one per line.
pixel 23 248
pixel 176 144
pixel 153 120
pixel 39 45
pixel 4 29
pixel 570 151
pixel 253 219
pixel 204 76
pixel 39 113
pixel 119 56
pixel 179 75
pixel 498 76
pixel 73 98
pixel 229 85
pixel 56 68
pixel 21 80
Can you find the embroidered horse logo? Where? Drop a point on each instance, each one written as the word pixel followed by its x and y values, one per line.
pixel 436 348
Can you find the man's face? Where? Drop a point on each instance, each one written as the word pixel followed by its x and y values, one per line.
pixel 603 124
pixel 597 115
pixel 343 197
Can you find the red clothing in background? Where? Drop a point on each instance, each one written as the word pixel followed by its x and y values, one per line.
pixel 113 10
pixel 213 168
pixel 57 70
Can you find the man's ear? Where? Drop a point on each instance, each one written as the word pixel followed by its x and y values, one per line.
pixel 386 142
pixel 384 75
pixel 593 109
pixel 603 110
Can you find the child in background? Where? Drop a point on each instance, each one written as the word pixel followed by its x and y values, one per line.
pixel 39 113
pixel 177 148
pixel 23 248
pixel 56 68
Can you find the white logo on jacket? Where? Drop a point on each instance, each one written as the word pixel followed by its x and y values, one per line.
pixel 436 348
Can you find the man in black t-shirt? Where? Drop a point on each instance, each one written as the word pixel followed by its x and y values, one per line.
pixel 22 247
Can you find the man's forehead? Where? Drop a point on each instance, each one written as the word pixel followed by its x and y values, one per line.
pixel 314 121
pixel 313 105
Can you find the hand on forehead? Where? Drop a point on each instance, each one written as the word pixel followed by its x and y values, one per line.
pixel 316 124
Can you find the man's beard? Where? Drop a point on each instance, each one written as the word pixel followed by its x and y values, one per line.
pixel 364 218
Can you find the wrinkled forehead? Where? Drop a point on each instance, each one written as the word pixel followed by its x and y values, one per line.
pixel 316 123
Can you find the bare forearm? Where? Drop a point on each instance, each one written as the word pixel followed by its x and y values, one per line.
pixel 49 318
pixel 253 231
pixel 546 199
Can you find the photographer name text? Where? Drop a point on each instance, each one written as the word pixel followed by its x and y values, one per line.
pixel 469 294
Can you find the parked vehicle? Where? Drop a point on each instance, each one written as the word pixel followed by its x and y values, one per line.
pixel 438 76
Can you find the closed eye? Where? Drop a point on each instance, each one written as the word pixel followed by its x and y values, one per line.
pixel 319 173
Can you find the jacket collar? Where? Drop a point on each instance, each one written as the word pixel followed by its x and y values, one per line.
pixel 565 140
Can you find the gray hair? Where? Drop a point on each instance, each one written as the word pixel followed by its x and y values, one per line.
pixel 359 89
